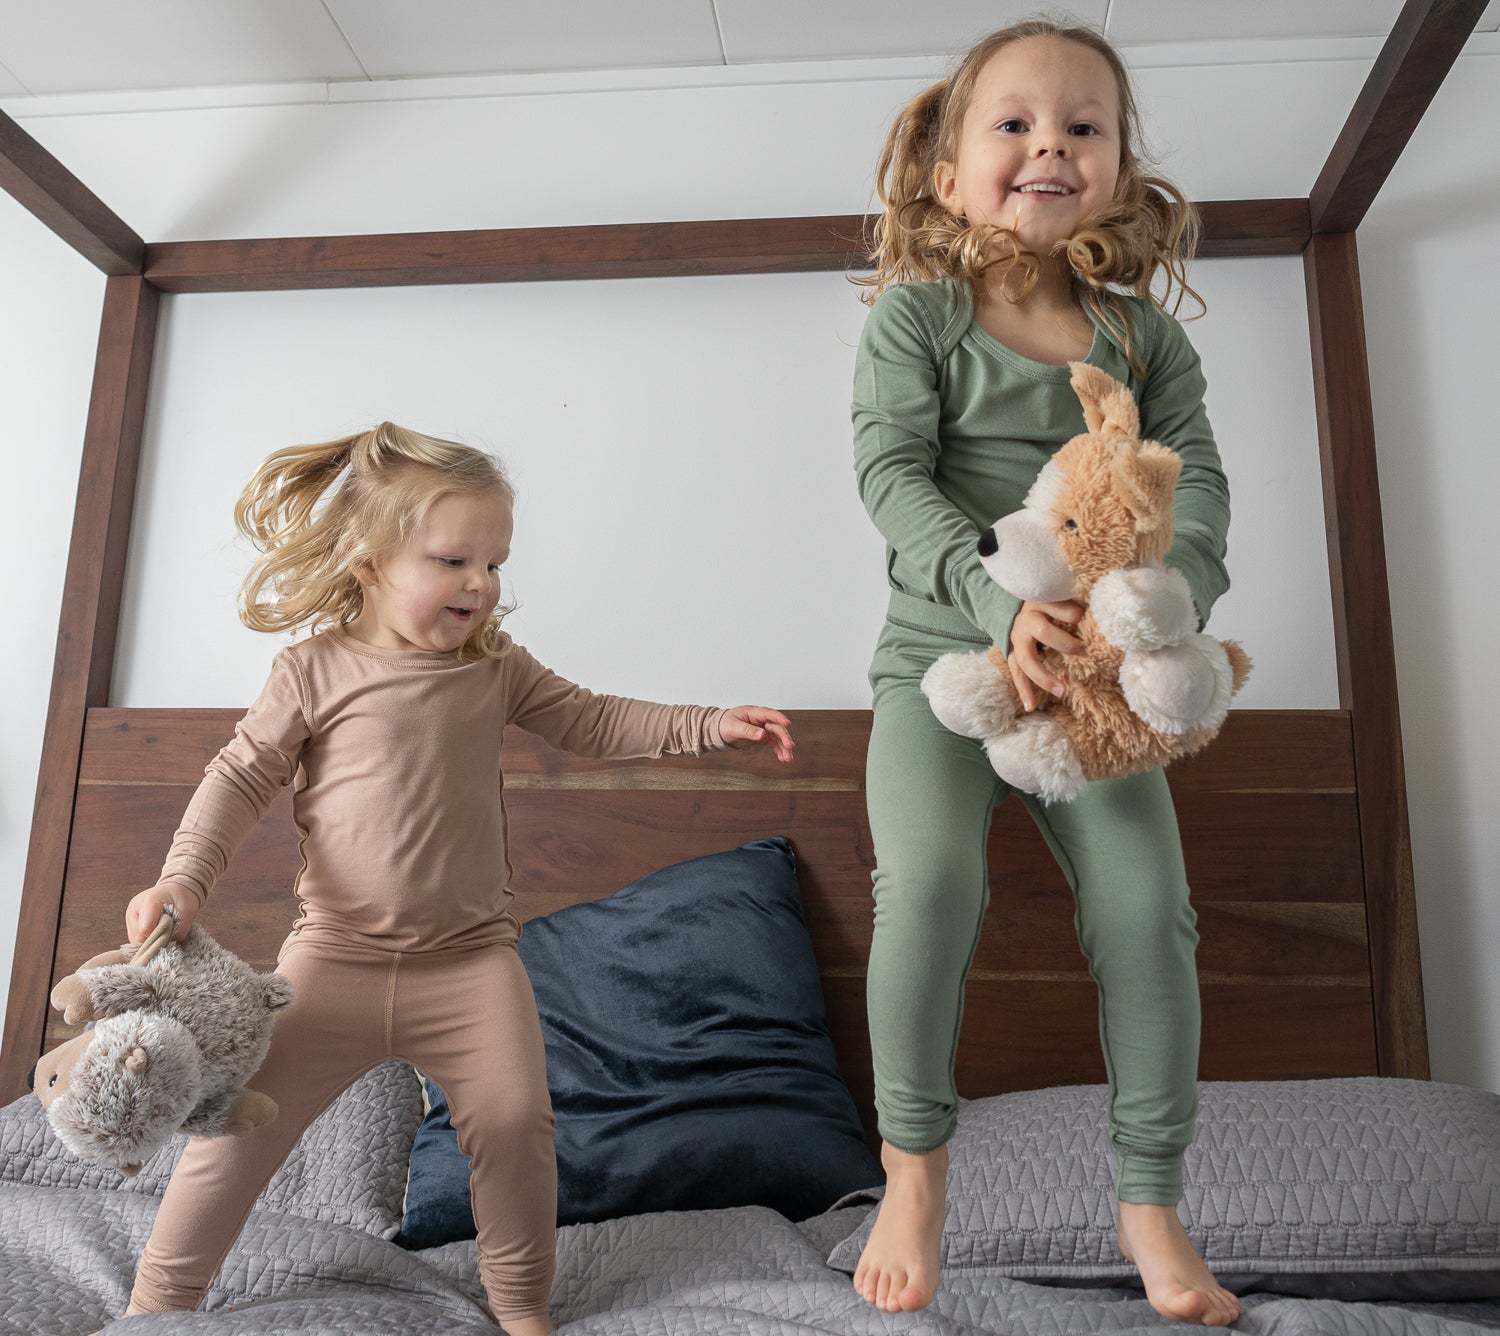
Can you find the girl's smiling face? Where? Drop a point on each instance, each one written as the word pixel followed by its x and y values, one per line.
pixel 439 586
pixel 1039 146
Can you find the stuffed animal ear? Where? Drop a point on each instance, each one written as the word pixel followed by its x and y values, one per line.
pixel 71 997
pixel 1145 477
pixel 138 1060
pixel 1108 407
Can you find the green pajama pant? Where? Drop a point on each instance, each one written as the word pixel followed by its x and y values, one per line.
pixel 931 797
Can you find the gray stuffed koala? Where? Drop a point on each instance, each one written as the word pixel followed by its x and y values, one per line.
pixel 180 1028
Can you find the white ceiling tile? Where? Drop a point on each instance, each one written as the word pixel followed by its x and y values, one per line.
pixel 398 39
pixel 93 46
pixel 773 30
pixel 1134 22
pixel 10 86
pixel 97 45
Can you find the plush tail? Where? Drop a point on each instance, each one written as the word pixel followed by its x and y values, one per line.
pixel 1240 664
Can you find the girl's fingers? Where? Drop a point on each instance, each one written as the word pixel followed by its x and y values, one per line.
pixel 1021 680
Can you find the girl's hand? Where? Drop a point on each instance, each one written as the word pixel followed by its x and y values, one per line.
pixel 144 911
pixel 1038 624
pixel 757 726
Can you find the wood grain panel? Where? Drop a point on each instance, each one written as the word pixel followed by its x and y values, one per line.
pixel 1303 751
pixel 1280 918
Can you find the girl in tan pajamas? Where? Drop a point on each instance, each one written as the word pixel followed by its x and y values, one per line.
pixel 387 723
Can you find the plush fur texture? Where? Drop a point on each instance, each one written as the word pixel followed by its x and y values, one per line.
pixel 175 1042
pixel 1148 686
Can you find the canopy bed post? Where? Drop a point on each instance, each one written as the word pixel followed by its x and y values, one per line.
pixel 1423 44
pixel 86 637
pixel 1365 647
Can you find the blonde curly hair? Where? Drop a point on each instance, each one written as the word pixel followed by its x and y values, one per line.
pixel 1149 228
pixel 317 512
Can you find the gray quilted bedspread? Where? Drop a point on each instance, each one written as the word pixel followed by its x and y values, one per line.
pixel 316 1257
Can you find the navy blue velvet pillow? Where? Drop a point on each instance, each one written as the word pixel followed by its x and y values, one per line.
pixel 687 1053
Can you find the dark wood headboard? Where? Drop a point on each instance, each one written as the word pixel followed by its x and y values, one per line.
pixel 1295 822
pixel 1269 823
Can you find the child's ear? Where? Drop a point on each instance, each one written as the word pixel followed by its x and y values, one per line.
pixel 364 571
pixel 945 188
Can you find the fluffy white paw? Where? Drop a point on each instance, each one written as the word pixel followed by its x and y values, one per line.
pixel 1180 687
pixel 1144 608
pixel 968 695
pixel 1038 757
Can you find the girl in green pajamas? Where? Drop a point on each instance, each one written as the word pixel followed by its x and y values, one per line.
pixel 1019 232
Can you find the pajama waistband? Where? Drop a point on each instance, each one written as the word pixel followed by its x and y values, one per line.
pixel 922 614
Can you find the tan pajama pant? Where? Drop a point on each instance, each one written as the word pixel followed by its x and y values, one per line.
pixel 468 1019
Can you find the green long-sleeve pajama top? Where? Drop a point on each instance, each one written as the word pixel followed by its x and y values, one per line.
pixel 951 428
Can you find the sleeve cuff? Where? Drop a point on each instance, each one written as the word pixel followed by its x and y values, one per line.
pixel 714 731
pixel 188 889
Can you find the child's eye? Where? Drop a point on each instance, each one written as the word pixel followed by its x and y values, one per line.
pixel 1084 129
pixel 494 568
pixel 1011 127
pixel 453 562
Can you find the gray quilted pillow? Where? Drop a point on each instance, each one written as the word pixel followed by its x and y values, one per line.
pixel 349 1168
pixel 1366 1188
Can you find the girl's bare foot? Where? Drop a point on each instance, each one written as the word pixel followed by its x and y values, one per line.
pixel 1178 1282
pixel 901 1264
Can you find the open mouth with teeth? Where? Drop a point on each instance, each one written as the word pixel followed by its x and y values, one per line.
pixel 1044 188
pixel 463 614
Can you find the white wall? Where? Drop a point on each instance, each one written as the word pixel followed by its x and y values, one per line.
pixel 687 526
pixel 1428 260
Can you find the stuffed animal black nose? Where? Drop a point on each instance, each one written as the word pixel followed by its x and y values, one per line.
pixel 987 544
pixel 31 1078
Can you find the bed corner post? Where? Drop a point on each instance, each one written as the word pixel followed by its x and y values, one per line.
pixel 85 648
pixel 1366 647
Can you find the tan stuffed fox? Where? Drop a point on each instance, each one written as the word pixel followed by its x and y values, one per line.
pixel 1148 686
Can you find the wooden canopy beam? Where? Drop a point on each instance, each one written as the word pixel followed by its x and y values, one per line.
pixel 42 184
pixel 1425 41
pixel 622 250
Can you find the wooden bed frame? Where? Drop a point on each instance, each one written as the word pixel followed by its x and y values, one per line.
pixel 1294 822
